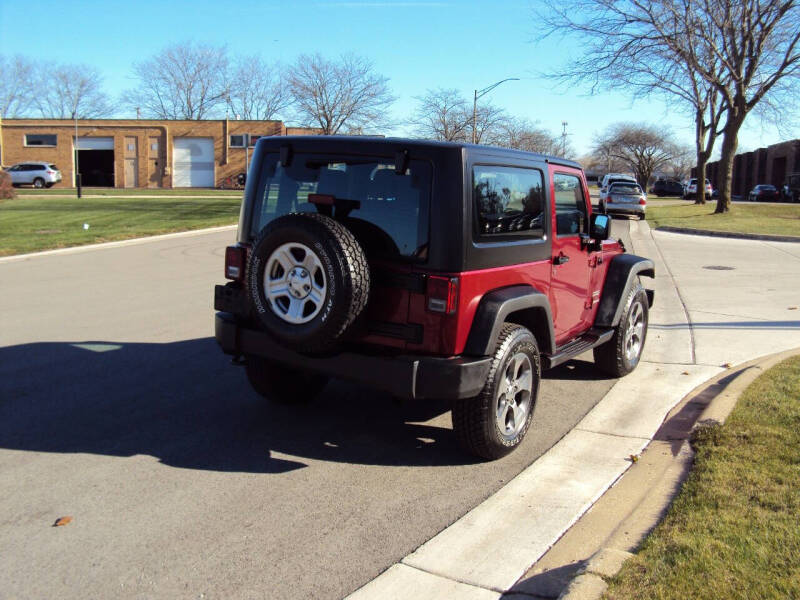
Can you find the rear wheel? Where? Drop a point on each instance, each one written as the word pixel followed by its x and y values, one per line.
pixel 282 384
pixel 38 182
pixel 620 355
pixel 494 422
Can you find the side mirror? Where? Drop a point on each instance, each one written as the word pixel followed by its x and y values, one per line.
pixel 600 228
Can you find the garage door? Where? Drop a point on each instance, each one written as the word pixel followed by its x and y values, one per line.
pixel 193 162
pixel 95 143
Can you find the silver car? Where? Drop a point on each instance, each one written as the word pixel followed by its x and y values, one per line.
pixel 37 174
pixel 625 198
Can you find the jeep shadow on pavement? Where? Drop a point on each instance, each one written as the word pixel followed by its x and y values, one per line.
pixel 428 270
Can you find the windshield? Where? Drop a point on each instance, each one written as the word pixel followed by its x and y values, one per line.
pixel 625 188
pixel 387 212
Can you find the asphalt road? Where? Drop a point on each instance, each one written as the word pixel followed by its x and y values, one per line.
pixel 118 410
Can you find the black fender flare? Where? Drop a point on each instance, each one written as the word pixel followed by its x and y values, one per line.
pixel 533 311
pixel 621 276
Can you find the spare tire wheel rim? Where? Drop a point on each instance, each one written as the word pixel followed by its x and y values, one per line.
pixel 294 283
pixel 514 398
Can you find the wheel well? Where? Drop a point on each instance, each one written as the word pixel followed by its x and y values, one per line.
pixel 536 320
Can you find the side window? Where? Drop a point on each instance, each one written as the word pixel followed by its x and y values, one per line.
pixel 571 214
pixel 509 200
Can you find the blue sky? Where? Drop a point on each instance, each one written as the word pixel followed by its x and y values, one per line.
pixel 417 44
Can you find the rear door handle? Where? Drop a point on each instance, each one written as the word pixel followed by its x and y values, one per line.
pixel 560 259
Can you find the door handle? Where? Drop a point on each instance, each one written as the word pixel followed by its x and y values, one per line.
pixel 560 259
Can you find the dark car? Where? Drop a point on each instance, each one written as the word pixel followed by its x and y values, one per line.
pixel 427 270
pixel 667 187
pixel 764 192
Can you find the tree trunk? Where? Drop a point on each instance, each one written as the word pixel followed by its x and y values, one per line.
pixel 729 144
pixel 702 157
pixel 700 195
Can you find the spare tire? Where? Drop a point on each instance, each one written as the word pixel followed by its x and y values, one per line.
pixel 308 280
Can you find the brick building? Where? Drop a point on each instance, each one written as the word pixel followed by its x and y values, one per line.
pixel 139 152
pixel 772 164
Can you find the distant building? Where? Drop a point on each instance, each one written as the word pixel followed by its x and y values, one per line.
pixel 772 164
pixel 139 153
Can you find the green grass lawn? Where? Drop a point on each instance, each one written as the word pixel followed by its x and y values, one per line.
pixel 105 191
pixel 30 224
pixel 779 219
pixel 733 531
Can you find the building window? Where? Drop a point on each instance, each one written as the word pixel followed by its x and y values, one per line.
pixel 253 139
pixel 40 139
pixel 237 141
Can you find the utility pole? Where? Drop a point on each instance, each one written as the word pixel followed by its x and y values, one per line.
pixel 77 171
pixel 564 137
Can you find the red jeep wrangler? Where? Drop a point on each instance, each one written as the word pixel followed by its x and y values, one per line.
pixel 428 270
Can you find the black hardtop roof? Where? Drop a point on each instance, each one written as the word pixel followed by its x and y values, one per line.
pixel 364 142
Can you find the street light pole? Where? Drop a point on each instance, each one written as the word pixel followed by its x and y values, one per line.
pixel 77 171
pixel 480 94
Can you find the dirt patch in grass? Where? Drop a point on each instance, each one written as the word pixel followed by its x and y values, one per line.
pixel 733 531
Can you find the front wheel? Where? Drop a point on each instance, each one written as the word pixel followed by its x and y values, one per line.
pixel 620 355
pixel 494 422
pixel 282 384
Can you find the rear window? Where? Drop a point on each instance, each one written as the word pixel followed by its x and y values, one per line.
pixel 53 167
pixel 626 188
pixel 389 212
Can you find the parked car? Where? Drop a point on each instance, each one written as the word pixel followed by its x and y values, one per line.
pixel 613 178
pixel 667 187
pixel 377 261
pixel 793 183
pixel 764 192
pixel 690 191
pixel 37 174
pixel 625 198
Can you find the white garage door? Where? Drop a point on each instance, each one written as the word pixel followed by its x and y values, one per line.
pixel 95 143
pixel 193 162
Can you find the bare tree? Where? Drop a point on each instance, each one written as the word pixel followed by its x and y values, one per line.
pixel 339 95
pixel 183 81
pixel 642 148
pixel 257 90
pixel 441 114
pixel 489 121
pixel 721 58
pixel 524 135
pixel 17 77
pixel 70 92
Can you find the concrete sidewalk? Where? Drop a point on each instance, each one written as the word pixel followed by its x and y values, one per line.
pixel 719 302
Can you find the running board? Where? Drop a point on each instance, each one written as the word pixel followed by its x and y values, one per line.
pixel 590 339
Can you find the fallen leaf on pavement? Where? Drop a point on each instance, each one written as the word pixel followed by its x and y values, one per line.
pixel 726 365
pixel 61 521
pixel 792 308
pixel 634 458
pixel 685 373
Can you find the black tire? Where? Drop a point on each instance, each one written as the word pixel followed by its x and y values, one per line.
pixel 642 217
pixel 602 208
pixel 48 185
pixel 38 183
pixel 476 420
pixel 281 384
pixel 620 355
pixel 341 268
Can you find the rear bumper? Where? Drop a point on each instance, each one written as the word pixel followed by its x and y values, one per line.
pixel 628 209
pixel 418 377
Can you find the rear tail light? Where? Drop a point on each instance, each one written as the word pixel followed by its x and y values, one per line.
pixel 610 200
pixel 235 257
pixel 642 201
pixel 442 294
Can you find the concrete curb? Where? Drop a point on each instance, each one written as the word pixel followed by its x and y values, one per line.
pixel 764 237
pixel 719 396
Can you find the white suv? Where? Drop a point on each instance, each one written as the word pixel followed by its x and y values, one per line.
pixel 691 189
pixel 37 174
pixel 613 178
